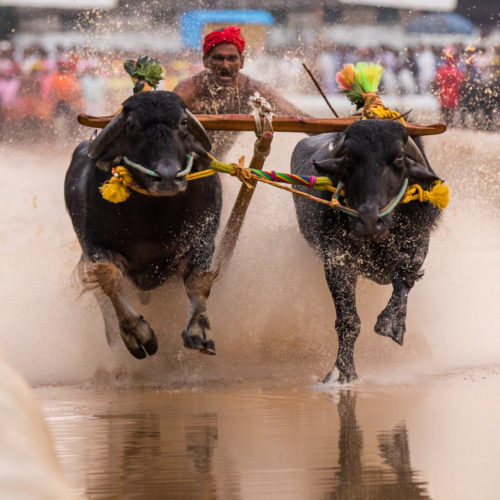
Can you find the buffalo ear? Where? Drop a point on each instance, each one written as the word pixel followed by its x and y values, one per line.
pixel 331 160
pixel 199 132
pixel 419 172
pixel 330 166
pixel 99 142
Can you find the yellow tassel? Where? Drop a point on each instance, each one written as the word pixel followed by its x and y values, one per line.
pixel 116 190
pixel 439 195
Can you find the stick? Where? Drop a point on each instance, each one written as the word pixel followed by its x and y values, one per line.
pixel 319 89
pixel 235 221
pixel 280 124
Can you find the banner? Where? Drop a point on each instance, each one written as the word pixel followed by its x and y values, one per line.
pixel 443 5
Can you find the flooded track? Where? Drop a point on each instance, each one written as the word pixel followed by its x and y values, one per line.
pixel 252 422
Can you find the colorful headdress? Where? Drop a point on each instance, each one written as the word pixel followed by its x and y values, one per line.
pixel 359 82
pixel 229 34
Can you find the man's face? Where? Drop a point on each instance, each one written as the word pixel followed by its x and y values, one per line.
pixel 225 62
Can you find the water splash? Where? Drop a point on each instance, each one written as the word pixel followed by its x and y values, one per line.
pixel 271 312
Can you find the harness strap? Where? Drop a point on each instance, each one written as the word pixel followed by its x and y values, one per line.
pixel 116 189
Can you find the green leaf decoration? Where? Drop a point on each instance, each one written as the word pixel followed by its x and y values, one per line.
pixel 144 70
pixel 355 95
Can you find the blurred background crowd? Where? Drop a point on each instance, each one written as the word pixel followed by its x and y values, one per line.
pixel 37 86
pixel 47 77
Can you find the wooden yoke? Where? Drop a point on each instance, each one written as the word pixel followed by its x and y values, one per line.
pixel 280 124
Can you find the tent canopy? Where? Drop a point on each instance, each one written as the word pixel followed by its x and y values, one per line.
pixel 191 22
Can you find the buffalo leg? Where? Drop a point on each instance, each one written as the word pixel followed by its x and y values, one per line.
pixel 108 314
pixel 137 335
pixel 391 322
pixel 198 285
pixel 342 284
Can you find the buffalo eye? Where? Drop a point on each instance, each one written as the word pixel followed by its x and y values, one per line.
pixel 184 122
pixel 347 157
pixel 131 126
pixel 399 160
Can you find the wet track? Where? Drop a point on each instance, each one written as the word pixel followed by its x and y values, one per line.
pixel 252 422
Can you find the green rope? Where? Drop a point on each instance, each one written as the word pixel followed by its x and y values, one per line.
pixel 139 167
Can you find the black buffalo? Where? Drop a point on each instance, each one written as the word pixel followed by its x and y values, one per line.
pixel 371 159
pixel 166 230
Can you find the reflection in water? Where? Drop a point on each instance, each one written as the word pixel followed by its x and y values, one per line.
pixel 201 440
pixel 233 444
pixel 356 481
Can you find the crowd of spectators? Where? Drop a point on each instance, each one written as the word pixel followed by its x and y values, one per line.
pixel 464 79
pixel 40 88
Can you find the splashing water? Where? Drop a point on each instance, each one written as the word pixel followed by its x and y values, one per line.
pixel 271 312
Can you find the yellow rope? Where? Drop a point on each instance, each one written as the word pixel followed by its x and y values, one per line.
pixel 373 107
pixel 438 195
pixel 385 113
pixel 200 175
pixel 117 188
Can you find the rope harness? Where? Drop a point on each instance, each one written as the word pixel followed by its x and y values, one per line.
pixel 359 83
pixel 117 189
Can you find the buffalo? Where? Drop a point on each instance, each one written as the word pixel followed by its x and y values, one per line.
pixel 165 229
pixel 372 235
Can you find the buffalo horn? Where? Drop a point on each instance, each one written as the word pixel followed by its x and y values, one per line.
pixel 338 147
pixel 412 150
pixel 109 133
pixel 197 129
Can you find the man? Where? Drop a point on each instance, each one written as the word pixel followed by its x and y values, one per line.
pixel 222 89
pixel 448 81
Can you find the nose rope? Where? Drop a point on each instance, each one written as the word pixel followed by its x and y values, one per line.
pixel 189 166
pixel 384 211
pixel 139 167
pixel 117 188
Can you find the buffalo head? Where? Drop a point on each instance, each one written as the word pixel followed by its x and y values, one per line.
pixel 156 137
pixel 372 160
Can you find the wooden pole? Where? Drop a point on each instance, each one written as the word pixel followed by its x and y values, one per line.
pixel 235 221
pixel 280 124
pixel 323 95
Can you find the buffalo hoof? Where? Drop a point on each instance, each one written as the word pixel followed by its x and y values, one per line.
pixel 391 325
pixel 208 347
pixel 196 342
pixel 138 337
pixel 341 377
pixel 192 341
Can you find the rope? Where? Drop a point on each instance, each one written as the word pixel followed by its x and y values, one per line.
pixel 139 167
pixel 321 183
pixel 373 107
pixel 438 195
pixel 189 166
pixel 116 189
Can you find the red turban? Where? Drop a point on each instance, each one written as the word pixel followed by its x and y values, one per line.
pixel 230 34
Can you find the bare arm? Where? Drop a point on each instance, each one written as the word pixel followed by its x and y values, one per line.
pixel 187 91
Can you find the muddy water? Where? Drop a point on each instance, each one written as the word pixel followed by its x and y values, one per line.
pixel 252 421
pixel 435 439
